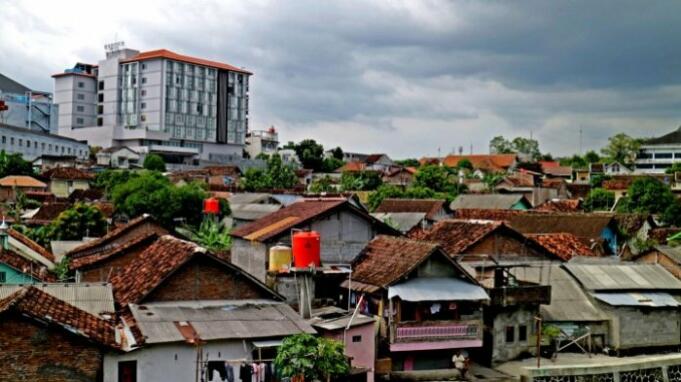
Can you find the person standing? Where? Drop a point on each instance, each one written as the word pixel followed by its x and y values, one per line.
pixel 460 363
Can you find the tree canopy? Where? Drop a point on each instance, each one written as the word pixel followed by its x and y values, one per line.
pixel 14 164
pixel 152 193
pixel 599 199
pixel 277 175
pixel 314 358
pixel 647 195
pixel 360 181
pixel 310 153
pixel 520 145
pixel 154 162
pixel 621 148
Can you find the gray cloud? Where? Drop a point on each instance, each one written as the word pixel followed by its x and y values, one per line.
pixel 401 77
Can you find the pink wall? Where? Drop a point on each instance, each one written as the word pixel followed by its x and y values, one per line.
pixel 363 353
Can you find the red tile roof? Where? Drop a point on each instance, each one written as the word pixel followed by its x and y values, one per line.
pixel 562 205
pixel 428 206
pixel 25 240
pixel 112 251
pixel 112 235
pixel 353 166
pixel 69 173
pixel 386 259
pixel 485 214
pixel 563 245
pixel 456 236
pixel 32 268
pixel 487 162
pixel 167 54
pixel 48 212
pixel 563 171
pixel 286 218
pixel 34 303
pixel 132 283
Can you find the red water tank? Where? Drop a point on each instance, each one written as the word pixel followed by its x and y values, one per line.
pixel 211 206
pixel 306 248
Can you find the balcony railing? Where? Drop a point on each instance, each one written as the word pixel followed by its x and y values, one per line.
pixel 436 330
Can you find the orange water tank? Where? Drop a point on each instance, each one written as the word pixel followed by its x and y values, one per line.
pixel 306 248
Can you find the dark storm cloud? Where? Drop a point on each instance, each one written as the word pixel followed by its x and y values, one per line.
pixel 459 72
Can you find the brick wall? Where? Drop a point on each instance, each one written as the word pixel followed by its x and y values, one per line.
pixel 30 352
pixel 142 229
pixel 101 272
pixel 205 279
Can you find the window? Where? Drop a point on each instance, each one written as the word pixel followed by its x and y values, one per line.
pixel 100 97
pixel 100 85
pixel 510 334
pixel 522 333
pixel 80 96
pixel 4 139
pixel 144 66
pixel 68 150
pixel 143 105
pixel 80 108
pixel 3 277
pixel 356 338
pixel 100 121
pixel 80 121
pixel 21 142
pixel 11 141
pixel 42 146
pixel 144 80
pixel 127 371
pixel 81 84
pixel 143 92
pixel 49 147
pixel 35 144
pixel 100 109
pixel 663 155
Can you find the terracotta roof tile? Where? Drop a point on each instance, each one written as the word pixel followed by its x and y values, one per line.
pixel 69 173
pixel 563 245
pixel 102 241
pixel 113 251
pixel 48 212
pixel 21 181
pixel 89 195
pixel 148 270
pixel 32 268
pixel 428 206
pixel 486 162
pixel 286 218
pixel 25 240
pixel 455 236
pixel 386 259
pixel 353 166
pixel 41 306
pixel 167 54
pixel 485 214
pixel 562 205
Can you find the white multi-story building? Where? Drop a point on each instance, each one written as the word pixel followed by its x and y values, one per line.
pixel 657 154
pixel 184 108
pixel 262 142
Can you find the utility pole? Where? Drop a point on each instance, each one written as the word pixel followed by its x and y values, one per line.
pixel 538 319
pixel 580 140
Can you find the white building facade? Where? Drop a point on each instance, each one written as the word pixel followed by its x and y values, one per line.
pixel 184 108
pixel 658 154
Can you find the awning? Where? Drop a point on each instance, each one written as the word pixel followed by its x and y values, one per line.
pixel 654 299
pixel 437 289
pixel 267 344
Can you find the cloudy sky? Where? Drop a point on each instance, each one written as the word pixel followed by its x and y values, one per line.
pixel 404 78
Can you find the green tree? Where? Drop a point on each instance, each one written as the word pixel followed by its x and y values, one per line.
pixel 434 177
pixel 314 358
pixel 672 214
pixel 337 153
pixel 14 164
pixel 210 234
pixel 409 162
pixel 465 164
pixel 110 178
pixel 527 146
pixel 676 167
pixel 597 180
pixel 360 181
pixel 599 199
pixel 592 157
pixel 154 162
pixel 331 164
pixel 255 179
pixel 281 175
pixel 491 179
pixel 621 148
pixel 76 222
pixel 647 195
pixel 500 145
pixel 310 153
pixel 322 184
pixel 152 193
pixel 575 161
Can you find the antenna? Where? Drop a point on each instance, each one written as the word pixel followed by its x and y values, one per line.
pixel 580 140
pixel 471 152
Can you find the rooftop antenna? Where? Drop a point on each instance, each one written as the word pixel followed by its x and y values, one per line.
pixel 471 152
pixel 580 140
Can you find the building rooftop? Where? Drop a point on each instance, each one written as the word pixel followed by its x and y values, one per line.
pixel 21 181
pixel 8 85
pixel 170 55
pixel 487 201
pixel 428 206
pixel 455 236
pixel 673 138
pixel 621 277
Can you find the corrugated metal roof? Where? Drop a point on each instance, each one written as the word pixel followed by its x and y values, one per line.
pixel 492 201
pixel 286 199
pixel 569 303
pixel 437 289
pixel 403 221
pixel 638 299
pixel 673 253
pixel 216 320
pixel 337 323
pixel 623 277
pixel 249 198
pixel 253 211
pixel 92 298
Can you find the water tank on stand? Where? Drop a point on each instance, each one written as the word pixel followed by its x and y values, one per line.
pixel 306 249
pixel 280 258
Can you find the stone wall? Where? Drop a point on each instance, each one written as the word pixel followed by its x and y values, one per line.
pixel 515 318
pixel 32 352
